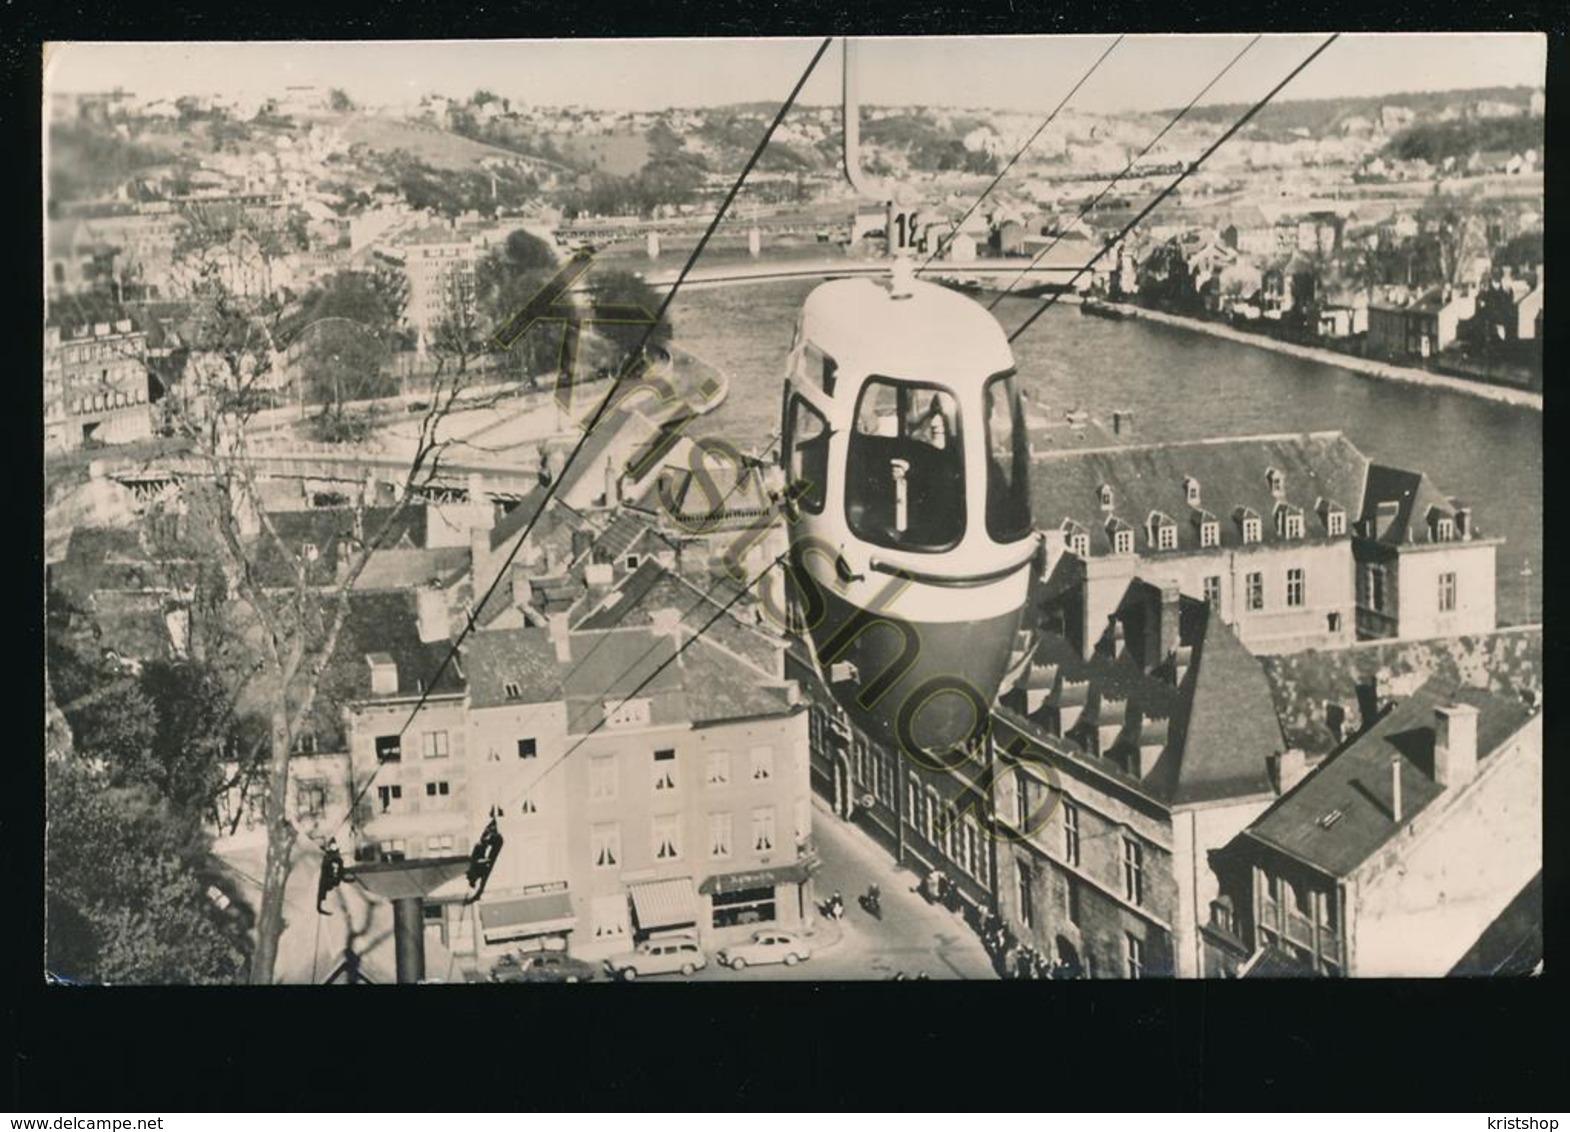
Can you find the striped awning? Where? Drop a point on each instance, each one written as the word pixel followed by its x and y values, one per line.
pixel 519 917
pixel 665 903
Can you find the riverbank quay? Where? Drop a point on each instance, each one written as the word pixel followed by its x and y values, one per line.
pixel 1366 367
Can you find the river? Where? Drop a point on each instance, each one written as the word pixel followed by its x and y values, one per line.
pixel 1185 385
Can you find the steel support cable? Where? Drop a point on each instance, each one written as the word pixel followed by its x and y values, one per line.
pixel 1181 177
pixel 604 405
pixel 1030 141
pixel 1110 185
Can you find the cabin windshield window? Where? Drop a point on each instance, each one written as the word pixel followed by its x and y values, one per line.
pixel 808 445
pixel 904 475
pixel 1008 461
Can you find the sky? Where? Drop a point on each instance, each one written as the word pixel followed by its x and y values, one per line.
pixel 1027 73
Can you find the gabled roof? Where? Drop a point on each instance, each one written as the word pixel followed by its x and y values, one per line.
pixel 1230 472
pixel 1357 782
pixel 525 657
pixel 1220 720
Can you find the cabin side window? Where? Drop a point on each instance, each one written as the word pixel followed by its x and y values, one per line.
pixel 904 475
pixel 817 368
pixel 808 445
pixel 1008 461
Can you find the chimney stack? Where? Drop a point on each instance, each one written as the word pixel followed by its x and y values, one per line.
pixel 1463 522
pixel 561 636
pixel 1455 744
pixel 1288 768
pixel 431 614
pixel 1395 788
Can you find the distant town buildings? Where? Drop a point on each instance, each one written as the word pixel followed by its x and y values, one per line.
pixel 95 386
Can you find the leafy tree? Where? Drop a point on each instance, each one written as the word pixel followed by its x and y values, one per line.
pixel 338 100
pixel 128 882
pixel 623 288
pixel 504 281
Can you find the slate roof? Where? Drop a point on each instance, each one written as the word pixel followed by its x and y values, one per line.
pixel 326 528
pixel 405 569
pixel 525 657
pixel 387 623
pixel 1416 500
pixel 1221 726
pixel 1231 474
pixel 1357 782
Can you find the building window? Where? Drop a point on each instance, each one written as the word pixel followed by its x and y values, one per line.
pixel 1294 524
pixel 762 830
pixel 1209 533
pixel 389 748
pixel 1104 494
pixel 719 835
pixel 438 844
pixel 667 837
pixel 1079 544
pixel 1255 588
pixel 1335 522
pixel 1071 834
pixel 512 690
pixel 1191 490
pixel 527 749
pixel 605 845
pixel 436 744
pixel 664 770
pixel 387 795
pixel 1134 955
pixel 310 799
pixel 1444 529
pixel 1333 622
pixel 394 850
pixel 437 789
pixel 1071 909
pixel 1213 591
pixel 1447 593
pixel 1027 907
pixel 1374 587
pixel 1273 889
pixel 1302 900
pixel 602 778
pixel 1133 870
pixel 1252 529
pixel 762 764
pixel 610 917
pixel 719 768
pixel 1123 542
pixel 1295 586
pixel 1166 537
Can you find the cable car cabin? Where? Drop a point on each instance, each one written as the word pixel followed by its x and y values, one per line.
pixel 906 457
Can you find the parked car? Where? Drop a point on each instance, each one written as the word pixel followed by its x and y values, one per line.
pixel 765 946
pixel 658 957
pixel 542 967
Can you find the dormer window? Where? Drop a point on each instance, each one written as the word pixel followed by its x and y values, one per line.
pixel 1191 490
pixel 1249 524
pixel 1161 531
pixel 1122 540
pixel 1275 481
pixel 1444 529
pixel 512 690
pixel 1076 539
pixel 1335 519
pixel 1104 494
pixel 1209 530
pixel 1289 522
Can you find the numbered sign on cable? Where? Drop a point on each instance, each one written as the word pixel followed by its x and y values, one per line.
pixel 903 228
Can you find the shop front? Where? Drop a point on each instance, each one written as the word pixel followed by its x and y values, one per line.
pixel 664 907
pixel 534 918
pixel 740 903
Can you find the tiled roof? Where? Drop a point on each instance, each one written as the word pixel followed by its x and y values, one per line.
pixel 1231 474
pixel 612 665
pixel 1356 784
pixel 387 623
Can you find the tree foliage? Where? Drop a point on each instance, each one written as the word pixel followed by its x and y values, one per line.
pixel 1460 138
